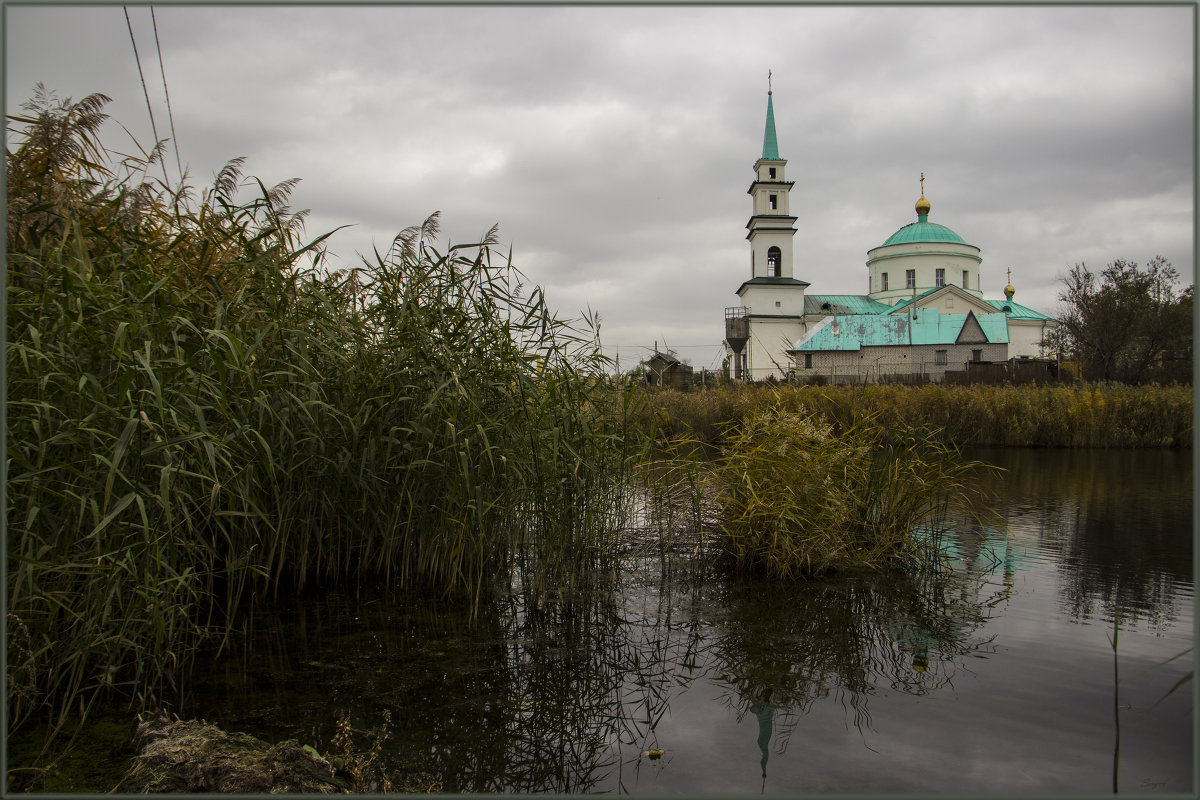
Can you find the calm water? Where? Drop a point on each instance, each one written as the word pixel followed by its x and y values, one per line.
pixel 998 677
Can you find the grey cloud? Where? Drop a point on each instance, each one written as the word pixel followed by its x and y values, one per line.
pixel 614 145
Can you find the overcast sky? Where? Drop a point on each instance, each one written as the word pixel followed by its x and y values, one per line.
pixel 615 145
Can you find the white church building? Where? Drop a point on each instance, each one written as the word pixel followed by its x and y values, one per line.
pixel 924 313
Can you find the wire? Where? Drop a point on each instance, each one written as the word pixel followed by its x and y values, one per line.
pixel 170 116
pixel 138 60
pixel 673 347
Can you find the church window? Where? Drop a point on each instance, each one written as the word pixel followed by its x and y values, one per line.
pixel 773 257
pixel 966 279
pixel 774 199
pixel 772 171
pixel 808 360
pixel 910 279
pixel 940 357
pixel 939 277
pixel 883 282
pixel 977 355
pixel 778 304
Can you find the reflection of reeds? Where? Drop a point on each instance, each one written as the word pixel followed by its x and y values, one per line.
pixel 572 700
pixel 848 636
pixel 200 413
pixel 1084 503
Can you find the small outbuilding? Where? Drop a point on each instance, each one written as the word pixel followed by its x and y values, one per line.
pixel 665 370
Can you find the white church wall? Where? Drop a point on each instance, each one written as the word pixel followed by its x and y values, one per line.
pixel 926 260
pixel 761 241
pixel 769 342
pixel 762 200
pixel 871 364
pixel 1025 337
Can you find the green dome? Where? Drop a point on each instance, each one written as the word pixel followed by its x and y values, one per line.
pixel 923 232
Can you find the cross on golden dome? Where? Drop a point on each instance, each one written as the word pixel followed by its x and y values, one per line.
pixel 922 204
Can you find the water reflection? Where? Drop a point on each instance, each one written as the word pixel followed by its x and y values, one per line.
pixel 765 712
pixel 515 702
pixel 782 650
pixel 1114 518
pixel 585 700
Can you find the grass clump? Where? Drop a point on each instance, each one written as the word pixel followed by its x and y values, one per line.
pixel 800 497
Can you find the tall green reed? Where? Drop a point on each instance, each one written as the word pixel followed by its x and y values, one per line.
pixel 201 415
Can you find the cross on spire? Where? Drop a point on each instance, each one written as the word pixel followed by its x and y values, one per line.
pixel 922 184
pixel 768 81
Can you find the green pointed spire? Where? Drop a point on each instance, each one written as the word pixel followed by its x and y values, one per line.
pixel 770 143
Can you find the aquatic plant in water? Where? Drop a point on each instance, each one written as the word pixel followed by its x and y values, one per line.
pixel 799 496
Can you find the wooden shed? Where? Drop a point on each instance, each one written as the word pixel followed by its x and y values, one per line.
pixel 665 370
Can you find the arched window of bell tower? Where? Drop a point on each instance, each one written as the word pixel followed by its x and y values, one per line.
pixel 773 258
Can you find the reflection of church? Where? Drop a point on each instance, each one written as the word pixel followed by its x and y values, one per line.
pixel 924 312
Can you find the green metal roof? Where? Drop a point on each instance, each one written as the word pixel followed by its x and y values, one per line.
pixel 930 327
pixel 926 327
pixel 763 281
pixel 770 143
pixel 892 309
pixel 843 304
pixel 853 332
pixel 1016 310
pixel 923 232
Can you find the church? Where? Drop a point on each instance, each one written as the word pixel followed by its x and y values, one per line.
pixel 924 314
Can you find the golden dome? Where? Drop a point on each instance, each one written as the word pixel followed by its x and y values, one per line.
pixel 922 204
pixel 1009 291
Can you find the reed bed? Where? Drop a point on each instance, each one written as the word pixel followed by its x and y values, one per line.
pixel 799 498
pixel 202 415
pixel 1075 415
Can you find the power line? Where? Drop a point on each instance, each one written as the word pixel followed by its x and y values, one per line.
pixel 170 116
pixel 138 60
pixel 673 347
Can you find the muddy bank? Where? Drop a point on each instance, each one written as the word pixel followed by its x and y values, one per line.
pixel 196 756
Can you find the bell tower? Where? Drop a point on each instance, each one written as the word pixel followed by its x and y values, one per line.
pixel 771 226
pixel 759 331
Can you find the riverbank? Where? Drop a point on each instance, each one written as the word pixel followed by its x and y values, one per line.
pixel 1076 415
